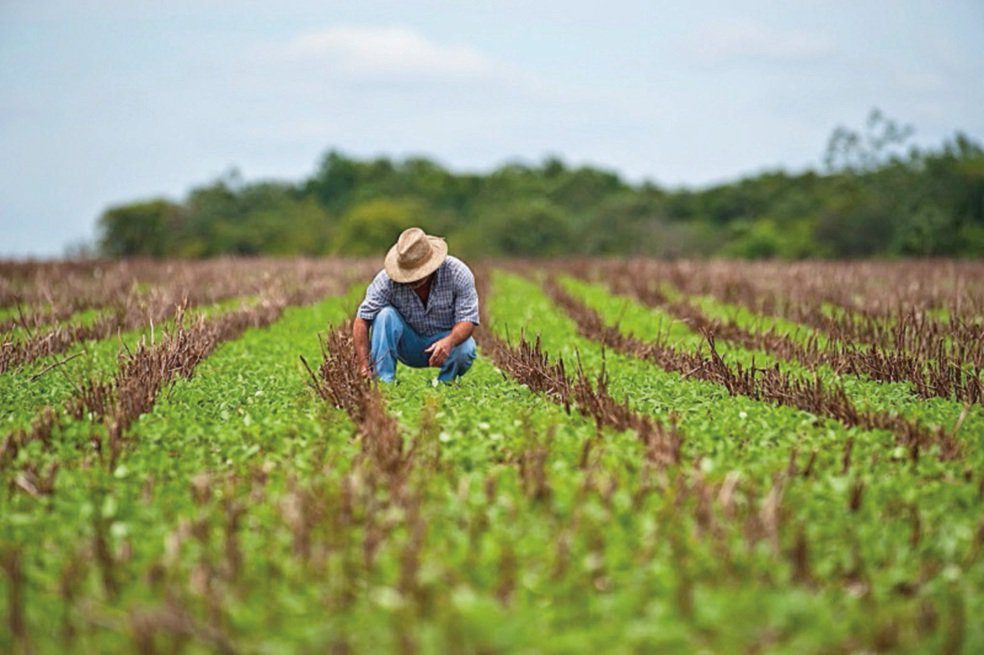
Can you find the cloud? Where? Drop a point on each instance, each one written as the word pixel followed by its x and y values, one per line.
pixel 749 41
pixel 386 52
pixel 371 88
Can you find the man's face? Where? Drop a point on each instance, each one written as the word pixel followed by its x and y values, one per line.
pixel 419 283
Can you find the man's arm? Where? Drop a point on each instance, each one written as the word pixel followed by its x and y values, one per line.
pixel 377 296
pixel 465 315
pixel 360 338
pixel 440 349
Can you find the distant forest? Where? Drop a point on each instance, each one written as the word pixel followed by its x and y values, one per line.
pixel 875 195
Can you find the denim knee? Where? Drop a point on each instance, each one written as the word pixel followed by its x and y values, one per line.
pixel 465 353
pixel 387 315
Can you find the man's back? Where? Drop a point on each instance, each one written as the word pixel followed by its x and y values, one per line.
pixel 420 310
pixel 452 299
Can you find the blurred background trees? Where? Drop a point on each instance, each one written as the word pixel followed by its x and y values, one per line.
pixel 875 196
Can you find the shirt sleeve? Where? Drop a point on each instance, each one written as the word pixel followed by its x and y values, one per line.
pixel 465 296
pixel 377 297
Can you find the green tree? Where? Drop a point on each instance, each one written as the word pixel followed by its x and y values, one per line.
pixel 627 222
pixel 334 182
pixel 531 228
pixel 140 228
pixel 856 225
pixel 373 226
pixel 873 198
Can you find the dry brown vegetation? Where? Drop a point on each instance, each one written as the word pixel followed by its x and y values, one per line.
pixel 479 517
pixel 529 365
pixel 143 294
pixel 940 358
pixel 155 363
pixel 340 383
pixel 798 290
pixel 769 384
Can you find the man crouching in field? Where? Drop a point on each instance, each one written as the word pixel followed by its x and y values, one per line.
pixel 422 307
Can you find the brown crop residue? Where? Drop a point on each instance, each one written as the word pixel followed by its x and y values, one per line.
pixel 528 364
pixel 156 362
pixel 339 382
pixel 769 384
pixel 942 359
pixel 132 295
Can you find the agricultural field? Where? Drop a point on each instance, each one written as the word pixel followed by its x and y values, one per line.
pixel 647 456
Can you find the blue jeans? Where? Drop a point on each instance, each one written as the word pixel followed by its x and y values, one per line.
pixel 391 339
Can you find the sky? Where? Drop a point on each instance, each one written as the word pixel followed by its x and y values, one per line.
pixel 109 102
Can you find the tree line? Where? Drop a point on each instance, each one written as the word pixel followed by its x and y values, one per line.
pixel 875 195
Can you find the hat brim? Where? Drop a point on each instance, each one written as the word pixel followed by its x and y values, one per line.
pixel 439 252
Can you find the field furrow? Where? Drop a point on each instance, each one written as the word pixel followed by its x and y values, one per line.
pixel 769 384
pixel 214 439
pixel 189 285
pixel 603 479
pixel 914 309
pixel 55 379
pixel 725 434
pixel 100 411
pixel 934 370
pixel 820 390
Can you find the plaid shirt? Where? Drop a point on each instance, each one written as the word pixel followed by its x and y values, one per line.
pixel 452 299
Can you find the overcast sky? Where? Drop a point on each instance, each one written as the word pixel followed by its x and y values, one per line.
pixel 107 102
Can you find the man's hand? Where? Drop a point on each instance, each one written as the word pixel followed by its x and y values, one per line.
pixel 439 350
pixel 360 338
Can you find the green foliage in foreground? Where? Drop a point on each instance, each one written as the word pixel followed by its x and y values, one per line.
pixel 726 434
pixel 241 498
pixel 871 199
pixel 51 381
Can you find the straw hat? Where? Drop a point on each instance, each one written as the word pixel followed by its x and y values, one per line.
pixel 415 256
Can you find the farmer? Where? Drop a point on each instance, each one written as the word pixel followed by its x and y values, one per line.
pixel 422 307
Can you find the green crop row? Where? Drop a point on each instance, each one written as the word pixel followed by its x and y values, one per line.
pixel 893 397
pixel 755 440
pixel 27 389
pixel 246 409
pixel 244 515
